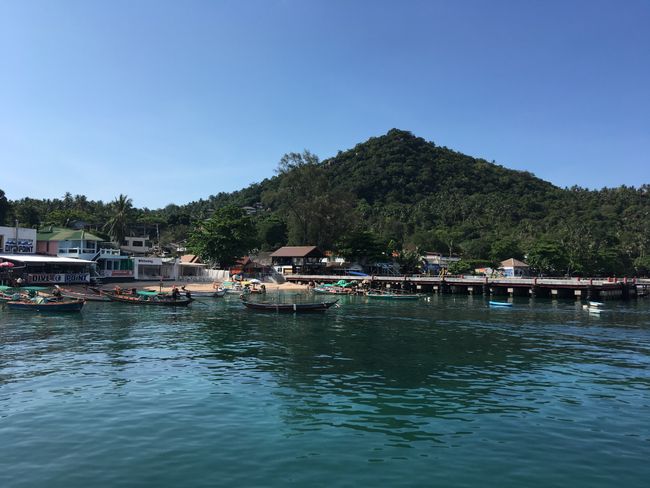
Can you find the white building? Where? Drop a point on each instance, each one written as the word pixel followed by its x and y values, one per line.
pixel 17 240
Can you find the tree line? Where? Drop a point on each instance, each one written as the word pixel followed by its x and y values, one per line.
pixel 387 197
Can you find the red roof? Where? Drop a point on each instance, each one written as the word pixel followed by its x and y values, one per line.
pixel 297 252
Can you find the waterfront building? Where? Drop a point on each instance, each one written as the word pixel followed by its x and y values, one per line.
pixel 79 244
pixel 513 267
pixel 434 262
pixel 35 269
pixel 298 259
pixel 17 240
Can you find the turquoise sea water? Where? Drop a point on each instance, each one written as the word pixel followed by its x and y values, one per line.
pixel 440 392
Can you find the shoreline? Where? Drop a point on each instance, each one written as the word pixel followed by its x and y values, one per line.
pixel 192 287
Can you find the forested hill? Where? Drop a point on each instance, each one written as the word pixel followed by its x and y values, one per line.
pixel 399 167
pixel 398 192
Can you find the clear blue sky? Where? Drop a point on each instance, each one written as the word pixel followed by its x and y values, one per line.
pixel 170 102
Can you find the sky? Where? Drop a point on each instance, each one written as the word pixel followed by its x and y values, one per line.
pixel 173 101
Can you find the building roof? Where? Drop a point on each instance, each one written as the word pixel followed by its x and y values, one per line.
pixel 51 233
pixel 190 258
pixel 296 252
pixel 35 259
pixel 513 263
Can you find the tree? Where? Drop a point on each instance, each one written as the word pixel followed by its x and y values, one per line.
pixel 4 207
pixel 315 211
pixel 362 246
pixel 547 257
pixel 271 233
pixel 117 225
pixel 227 236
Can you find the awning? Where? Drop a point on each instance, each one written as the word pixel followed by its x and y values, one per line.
pixel 35 259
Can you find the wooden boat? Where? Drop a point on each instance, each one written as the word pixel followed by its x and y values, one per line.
pixel 389 295
pixel 44 305
pixel 154 300
pixel 593 307
pixel 500 304
pixel 206 294
pixel 288 307
pixel 332 290
pixel 94 295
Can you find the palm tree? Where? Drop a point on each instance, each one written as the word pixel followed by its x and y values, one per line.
pixel 117 225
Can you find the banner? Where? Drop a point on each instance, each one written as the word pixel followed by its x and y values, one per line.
pixel 58 278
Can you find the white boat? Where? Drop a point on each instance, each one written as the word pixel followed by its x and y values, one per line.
pixel 592 309
pixel 218 293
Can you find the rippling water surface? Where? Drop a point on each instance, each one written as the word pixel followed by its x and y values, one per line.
pixel 442 392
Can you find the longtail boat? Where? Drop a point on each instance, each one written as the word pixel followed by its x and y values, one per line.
pixel 288 307
pixel 149 298
pixel 382 295
pixel 91 295
pixel 44 305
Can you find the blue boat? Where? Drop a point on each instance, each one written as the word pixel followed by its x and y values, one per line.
pixel 500 304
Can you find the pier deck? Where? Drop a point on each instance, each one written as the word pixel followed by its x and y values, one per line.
pixel 587 288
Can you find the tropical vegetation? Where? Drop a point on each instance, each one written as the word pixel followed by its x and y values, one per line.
pixel 390 196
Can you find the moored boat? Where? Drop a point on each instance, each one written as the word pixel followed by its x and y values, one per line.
pixel 89 295
pixel 288 307
pixel 332 290
pixel 207 294
pixel 45 305
pixel 149 298
pixel 391 295
pixel 500 304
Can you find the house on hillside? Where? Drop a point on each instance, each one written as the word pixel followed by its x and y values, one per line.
pixel 137 246
pixel 298 259
pixel 514 268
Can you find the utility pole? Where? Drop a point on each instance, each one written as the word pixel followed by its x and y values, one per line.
pixel 15 249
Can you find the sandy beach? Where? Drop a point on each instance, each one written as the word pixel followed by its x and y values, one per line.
pixel 168 285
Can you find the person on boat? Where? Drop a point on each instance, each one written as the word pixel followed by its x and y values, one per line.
pixel 175 293
pixel 117 290
pixel 56 293
pixel 188 294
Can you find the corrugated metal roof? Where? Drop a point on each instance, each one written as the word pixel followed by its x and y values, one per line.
pixel 295 251
pixel 62 234
pixel 190 258
pixel 33 258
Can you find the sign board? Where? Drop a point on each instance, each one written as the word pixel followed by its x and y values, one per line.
pixel 58 278
pixel 24 245
pixel 147 261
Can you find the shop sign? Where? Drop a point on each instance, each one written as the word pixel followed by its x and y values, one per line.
pixel 58 278
pixel 24 245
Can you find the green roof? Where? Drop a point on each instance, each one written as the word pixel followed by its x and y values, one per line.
pixel 51 233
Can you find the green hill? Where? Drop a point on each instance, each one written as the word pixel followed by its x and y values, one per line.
pixel 399 191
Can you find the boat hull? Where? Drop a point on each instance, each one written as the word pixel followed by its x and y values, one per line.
pixel 288 307
pixel 387 296
pixel 56 307
pixel 164 302
pixel 208 294
pixel 500 304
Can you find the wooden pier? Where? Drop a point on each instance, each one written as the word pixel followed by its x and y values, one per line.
pixel 572 288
